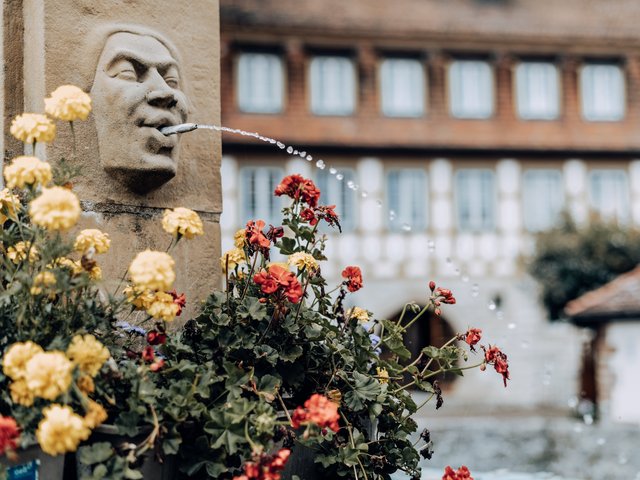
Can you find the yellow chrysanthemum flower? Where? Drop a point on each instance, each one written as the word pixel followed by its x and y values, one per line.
pixel 92 238
pixel 68 103
pixel 55 209
pixel 383 375
pixel 26 170
pixel 88 353
pixel 9 205
pixel 85 384
pixel 360 313
pixel 152 270
pixel 33 127
pixel 95 416
pixel 61 430
pixel 303 260
pixel 141 299
pixel 64 262
pixel 15 360
pixel 18 252
pixel 232 258
pixel 163 307
pixel 43 281
pixel 20 393
pixel 48 374
pixel 95 273
pixel 240 238
pixel 182 222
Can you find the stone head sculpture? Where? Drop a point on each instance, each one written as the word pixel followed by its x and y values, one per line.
pixel 136 90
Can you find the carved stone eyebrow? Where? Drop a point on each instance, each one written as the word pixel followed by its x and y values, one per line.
pixel 125 54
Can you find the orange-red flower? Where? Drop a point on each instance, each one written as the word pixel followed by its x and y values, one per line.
pixel 493 356
pixel 265 467
pixel 148 354
pixel 462 473
pixel 299 188
pixel 9 433
pixel 180 300
pixel 255 236
pixel 473 336
pixel 279 279
pixel 354 278
pixel 318 410
pixel 155 337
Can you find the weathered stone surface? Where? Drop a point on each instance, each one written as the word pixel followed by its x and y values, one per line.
pixel 64 43
pixel 197 260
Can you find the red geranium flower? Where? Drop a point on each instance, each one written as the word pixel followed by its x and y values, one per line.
pixel 265 467
pixel 9 433
pixel 308 216
pixel 180 300
pixel 298 187
pixel 493 356
pixel 462 473
pixel 148 354
pixel 279 280
pixel 156 338
pixel 318 410
pixel 354 278
pixel 255 236
pixel 473 336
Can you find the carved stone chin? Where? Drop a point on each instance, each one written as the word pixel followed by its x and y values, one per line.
pixel 136 92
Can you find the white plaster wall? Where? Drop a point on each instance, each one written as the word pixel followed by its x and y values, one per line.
pixel 624 366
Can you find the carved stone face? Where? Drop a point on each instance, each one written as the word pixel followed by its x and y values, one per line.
pixel 136 91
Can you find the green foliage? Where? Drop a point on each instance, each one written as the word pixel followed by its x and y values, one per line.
pixel 570 260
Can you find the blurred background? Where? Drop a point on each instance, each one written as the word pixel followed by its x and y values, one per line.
pixel 492 146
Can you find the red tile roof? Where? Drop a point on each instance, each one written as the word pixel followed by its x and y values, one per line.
pixel 620 298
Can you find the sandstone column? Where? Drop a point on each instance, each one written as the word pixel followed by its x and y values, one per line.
pixel 146 64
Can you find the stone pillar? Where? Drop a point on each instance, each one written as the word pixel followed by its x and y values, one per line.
pixel 368 104
pixel 571 109
pixel 437 107
pixel 297 104
pixel 146 65
pixel 504 65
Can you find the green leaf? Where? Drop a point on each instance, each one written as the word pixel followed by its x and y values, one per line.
pixel 96 453
pixel 366 388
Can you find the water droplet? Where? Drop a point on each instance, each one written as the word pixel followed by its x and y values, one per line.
pixel 431 246
pixel 295 152
pixel 350 184
pixel 364 194
pixel 500 315
pixel 289 149
pixel 303 154
pixel 309 158
pixel 392 215
pixel 272 141
pixel 448 260
pixel 587 419
pixel 601 441
pixel 406 227
pixel 379 203
pixel 320 164
pixel 491 306
pixel 356 187
pixel 475 290
pixel 281 145
pixel 332 171
pixel 339 177
pixel 511 326
pixel 465 278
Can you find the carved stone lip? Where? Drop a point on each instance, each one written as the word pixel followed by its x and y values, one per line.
pixel 158 121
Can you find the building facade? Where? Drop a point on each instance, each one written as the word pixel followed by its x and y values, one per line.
pixel 447 134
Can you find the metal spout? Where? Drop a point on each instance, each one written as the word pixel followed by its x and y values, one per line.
pixel 175 129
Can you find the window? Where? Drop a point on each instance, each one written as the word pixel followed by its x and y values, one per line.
pixel 609 194
pixel 475 199
pixel 407 197
pixel 256 193
pixel 336 192
pixel 537 91
pixel 470 89
pixel 402 87
pixel 260 83
pixel 333 86
pixel 542 199
pixel 603 96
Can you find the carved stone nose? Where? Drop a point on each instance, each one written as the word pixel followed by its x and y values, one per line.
pixel 162 99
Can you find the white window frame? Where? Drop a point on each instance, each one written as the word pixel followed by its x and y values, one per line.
pixel 336 192
pixel 402 87
pixel 260 82
pixel 591 93
pixel 330 95
pixel 481 204
pixel 471 98
pixel 603 201
pixel 537 90
pixel 260 203
pixel 409 199
pixel 541 209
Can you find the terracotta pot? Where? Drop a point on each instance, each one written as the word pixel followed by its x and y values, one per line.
pixel 34 464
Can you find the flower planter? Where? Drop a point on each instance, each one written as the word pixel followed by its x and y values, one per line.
pixel 151 468
pixel 301 463
pixel 34 464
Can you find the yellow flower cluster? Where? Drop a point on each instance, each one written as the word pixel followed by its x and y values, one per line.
pixel 88 353
pixel 61 430
pixel 163 307
pixel 27 170
pixel 232 259
pixel 9 205
pixel 240 238
pixel 55 209
pixel 95 416
pixel 33 127
pixel 141 299
pixel 95 273
pixel 20 393
pixel 16 358
pixel 92 238
pixel 68 103
pixel 303 260
pixel 383 375
pixel 43 280
pixel 64 262
pixel 152 270
pixel 182 222
pixel 360 313
pixel 18 252
pixel 48 374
